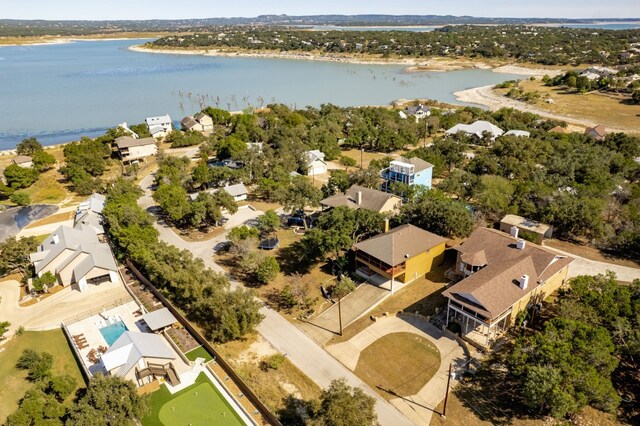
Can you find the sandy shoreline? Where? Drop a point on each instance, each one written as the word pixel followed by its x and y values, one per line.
pixel 485 96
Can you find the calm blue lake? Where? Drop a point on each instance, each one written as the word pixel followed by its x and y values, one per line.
pixel 61 92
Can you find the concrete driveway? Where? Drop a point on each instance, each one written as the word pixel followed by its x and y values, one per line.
pixel 327 324
pixel 50 312
pixel 419 407
pixel 583 266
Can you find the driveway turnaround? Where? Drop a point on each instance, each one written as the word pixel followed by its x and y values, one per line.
pixel 419 407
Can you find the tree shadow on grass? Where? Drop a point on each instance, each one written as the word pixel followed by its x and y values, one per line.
pixel 294 258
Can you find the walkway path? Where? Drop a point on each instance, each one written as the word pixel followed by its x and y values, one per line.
pixel 301 350
pixel 420 407
pixel 583 266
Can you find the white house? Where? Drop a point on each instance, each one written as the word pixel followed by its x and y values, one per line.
pixel 315 163
pixel 478 129
pixel 23 161
pixel 418 112
pixel 238 191
pixel 518 133
pixel 159 126
pixel 75 256
pixel 205 121
pixel 131 149
pixel 89 213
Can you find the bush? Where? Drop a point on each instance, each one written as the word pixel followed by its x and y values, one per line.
pixel 267 270
pixel 273 362
pixel 38 364
pixel 21 198
pixel 347 161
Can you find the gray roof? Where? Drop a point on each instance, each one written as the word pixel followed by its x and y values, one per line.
pixel 128 142
pixel 94 203
pixel 159 319
pixel 315 155
pixel 22 159
pixel 413 110
pixel 160 120
pixel 418 163
pixel 399 244
pixel 155 129
pixel 188 122
pixel 372 199
pixel 79 240
pixel 236 190
pixel 130 347
pixel 89 218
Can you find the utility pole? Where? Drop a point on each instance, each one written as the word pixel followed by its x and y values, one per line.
pixel 340 314
pixel 446 395
pixel 361 155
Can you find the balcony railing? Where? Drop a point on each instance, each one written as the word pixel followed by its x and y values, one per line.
pixel 393 176
pixel 381 266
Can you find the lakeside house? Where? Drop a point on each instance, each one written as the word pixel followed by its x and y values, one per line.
pixel 404 253
pixel 160 126
pixel 89 213
pixel 417 112
pixel 502 276
pixel 76 257
pixel 407 171
pixel 132 150
pixel 528 229
pixel 200 123
pixel 359 197
pixel 598 132
pixel 477 129
pixel 23 161
pixel 315 164
pixel 205 121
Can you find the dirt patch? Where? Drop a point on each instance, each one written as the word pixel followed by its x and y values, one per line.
pixel 591 253
pixel 259 349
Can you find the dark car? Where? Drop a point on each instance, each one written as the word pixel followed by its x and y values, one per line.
pixel 295 221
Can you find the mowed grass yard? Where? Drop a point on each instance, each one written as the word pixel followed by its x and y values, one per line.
pixel 398 364
pixel 198 405
pixel 13 381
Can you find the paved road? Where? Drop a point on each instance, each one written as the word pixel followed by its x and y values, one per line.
pixel 583 266
pixel 301 350
pixel 14 219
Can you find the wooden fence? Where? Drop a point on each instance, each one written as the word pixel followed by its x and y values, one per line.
pixel 246 390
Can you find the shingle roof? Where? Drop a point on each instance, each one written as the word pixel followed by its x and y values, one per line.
pixel 494 288
pixel 236 190
pixel 399 244
pixel 372 199
pixel 159 319
pixel 128 142
pixel 189 122
pixel 599 130
pixel 130 347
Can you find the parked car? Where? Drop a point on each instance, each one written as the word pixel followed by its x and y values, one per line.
pixel 295 221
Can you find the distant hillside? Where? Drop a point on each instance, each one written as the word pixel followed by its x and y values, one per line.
pixel 10 27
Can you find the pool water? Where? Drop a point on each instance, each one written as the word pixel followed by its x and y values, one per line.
pixel 113 331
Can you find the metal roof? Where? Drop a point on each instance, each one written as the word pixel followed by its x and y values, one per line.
pixel 159 319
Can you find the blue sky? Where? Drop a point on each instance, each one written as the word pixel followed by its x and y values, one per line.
pixel 167 9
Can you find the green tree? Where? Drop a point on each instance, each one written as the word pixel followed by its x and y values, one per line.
pixel 28 146
pixel 435 212
pixel 4 327
pixel 44 282
pixel 240 233
pixel 343 405
pixel 343 287
pixel 267 270
pixel 38 364
pixel 19 177
pixel 173 199
pixel 109 400
pixel 14 254
pixel 494 195
pixel 230 147
pixel 42 160
pixel 220 117
pixel 299 195
pixel 37 408
pixel 21 198
pixel 269 222
pixel 62 386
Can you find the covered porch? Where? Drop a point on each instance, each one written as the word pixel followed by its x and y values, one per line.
pixel 367 266
pixel 475 326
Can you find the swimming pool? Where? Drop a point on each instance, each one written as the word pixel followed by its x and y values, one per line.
pixel 113 331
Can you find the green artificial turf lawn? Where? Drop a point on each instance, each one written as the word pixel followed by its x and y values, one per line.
pixel 198 405
pixel 199 352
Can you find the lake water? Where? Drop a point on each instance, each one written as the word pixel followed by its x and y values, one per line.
pixel 60 92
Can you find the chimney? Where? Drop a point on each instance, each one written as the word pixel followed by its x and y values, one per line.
pixel 359 197
pixel 386 225
pixel 524 282
pixel 56 239
pixel 514 231
pixel 521 244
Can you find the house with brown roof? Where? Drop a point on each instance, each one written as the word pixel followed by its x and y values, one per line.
pixel 599 132
pixel 404 253
pixel 359 197
pixel 502 276
pixel 131 150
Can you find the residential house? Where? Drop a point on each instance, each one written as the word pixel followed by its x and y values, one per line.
pixel 89 213
pixel 528 229
pixel 23 161
pixel 408 171
pixel 126 128
pixel 502 276
pixel 598 132
pixel 205 121
pixel 160 126
pixel 159 319
pixel 477 129
pixel 189 123
pixel 75 256
pixel 130 149
pixel 238 191
pixel 359 197
pixel 518 133
pixel 418 112
pixel 139 356
pixel 315 163
pixel 404 254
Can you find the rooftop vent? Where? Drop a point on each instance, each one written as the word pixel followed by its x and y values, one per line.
pixel 524 281
pixel 359 197
pixel 521 244
pixel 514 231
pixel 56 239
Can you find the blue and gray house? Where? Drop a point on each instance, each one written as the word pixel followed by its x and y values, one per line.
pixel 409 171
